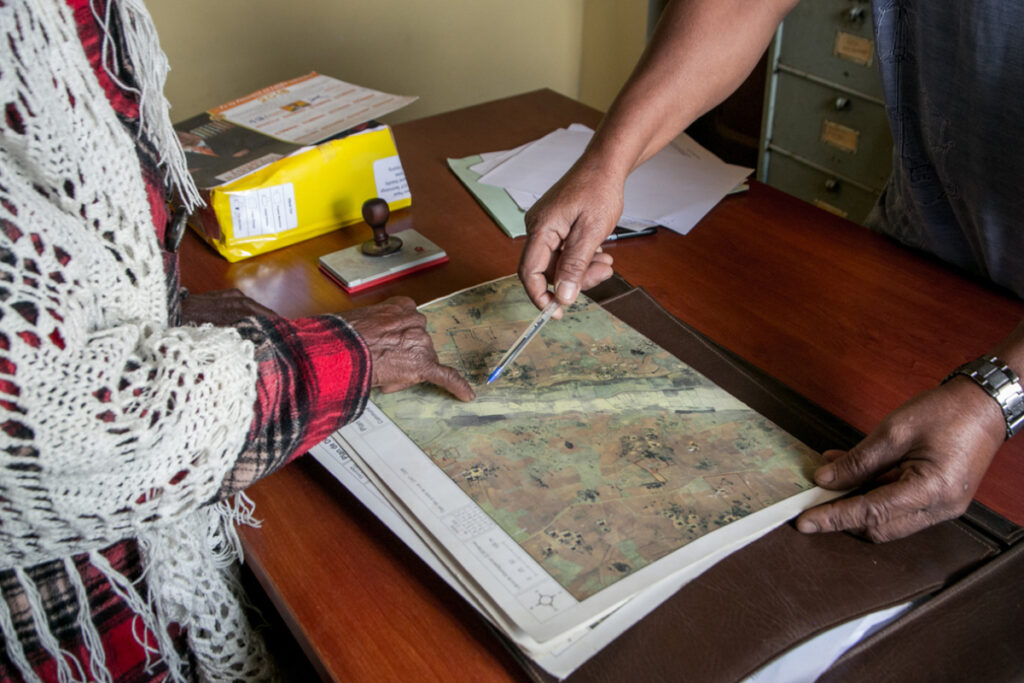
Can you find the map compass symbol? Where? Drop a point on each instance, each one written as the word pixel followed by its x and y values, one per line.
pixel 546 600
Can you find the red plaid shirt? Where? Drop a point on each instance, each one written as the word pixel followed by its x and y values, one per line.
pixel 314 375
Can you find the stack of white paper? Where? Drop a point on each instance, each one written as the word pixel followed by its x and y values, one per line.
pixel 564 655
pixel 675 188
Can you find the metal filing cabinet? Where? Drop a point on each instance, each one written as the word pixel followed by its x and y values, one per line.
pixel 824 136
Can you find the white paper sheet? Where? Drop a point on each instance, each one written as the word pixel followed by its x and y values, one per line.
pixel 809 660
pixel 675 188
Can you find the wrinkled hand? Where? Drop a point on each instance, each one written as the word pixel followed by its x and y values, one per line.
pixel 222 308
pixel 402 351
pixel 929 455
pixel 565 229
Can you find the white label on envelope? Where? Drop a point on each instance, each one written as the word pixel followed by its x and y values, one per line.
pixel 390 179
pixel 264 211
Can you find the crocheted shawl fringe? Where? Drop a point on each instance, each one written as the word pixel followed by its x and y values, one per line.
pixel 223 549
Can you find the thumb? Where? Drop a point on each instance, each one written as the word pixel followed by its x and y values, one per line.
pixel 567 278
pixel 577 254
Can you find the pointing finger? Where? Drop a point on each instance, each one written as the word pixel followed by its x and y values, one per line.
pixel 448 378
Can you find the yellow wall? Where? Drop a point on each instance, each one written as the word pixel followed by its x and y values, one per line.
pixel 614 34
pixel 450 53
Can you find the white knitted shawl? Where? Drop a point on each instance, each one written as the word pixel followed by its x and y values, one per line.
pixel 114 425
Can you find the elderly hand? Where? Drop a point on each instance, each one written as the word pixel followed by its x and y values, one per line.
pixel 402 351
pixel 565 229
pixel 222 308
pixel 929 454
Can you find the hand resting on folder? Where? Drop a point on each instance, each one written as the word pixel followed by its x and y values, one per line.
pixel 928 456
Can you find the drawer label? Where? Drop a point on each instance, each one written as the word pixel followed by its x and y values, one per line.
pixel 854 48
pixel 840 136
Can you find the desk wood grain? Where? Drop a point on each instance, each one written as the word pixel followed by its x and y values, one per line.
pixel 848 318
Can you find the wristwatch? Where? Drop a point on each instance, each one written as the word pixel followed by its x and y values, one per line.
pixel 999 382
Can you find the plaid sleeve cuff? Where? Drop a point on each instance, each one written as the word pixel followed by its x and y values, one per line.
pixel 314 376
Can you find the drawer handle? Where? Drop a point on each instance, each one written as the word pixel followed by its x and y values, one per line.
pixel 832 185
pixel 842 103
pixel 854 15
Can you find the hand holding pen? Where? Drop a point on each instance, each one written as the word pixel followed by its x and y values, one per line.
pixel 531 331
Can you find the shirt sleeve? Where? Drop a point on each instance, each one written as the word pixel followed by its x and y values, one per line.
pixel 313 377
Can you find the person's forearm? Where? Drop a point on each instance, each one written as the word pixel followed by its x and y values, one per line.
pixel 701 51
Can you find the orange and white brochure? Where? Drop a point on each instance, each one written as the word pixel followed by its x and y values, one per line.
pixel 309 109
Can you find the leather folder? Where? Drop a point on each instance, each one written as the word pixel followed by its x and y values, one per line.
pixel 970 632
pixel 787 587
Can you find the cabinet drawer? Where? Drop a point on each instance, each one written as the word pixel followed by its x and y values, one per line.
pixel 833 39
pixel 846 134
pixel 811 185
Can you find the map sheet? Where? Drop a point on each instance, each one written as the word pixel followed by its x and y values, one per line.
pixel 596 466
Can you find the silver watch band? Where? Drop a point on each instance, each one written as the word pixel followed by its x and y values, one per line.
pixel 1002 384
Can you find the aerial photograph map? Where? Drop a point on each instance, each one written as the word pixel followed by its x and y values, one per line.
pixel 597 451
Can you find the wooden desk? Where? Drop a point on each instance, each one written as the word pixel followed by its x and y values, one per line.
pixel 849 319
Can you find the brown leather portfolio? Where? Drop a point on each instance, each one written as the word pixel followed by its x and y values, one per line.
pixel 787 587
pixel 970 632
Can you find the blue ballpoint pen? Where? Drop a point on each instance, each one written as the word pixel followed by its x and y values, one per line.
pixel 524 339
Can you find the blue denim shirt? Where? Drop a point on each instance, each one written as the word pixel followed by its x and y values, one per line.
pixel 953 77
